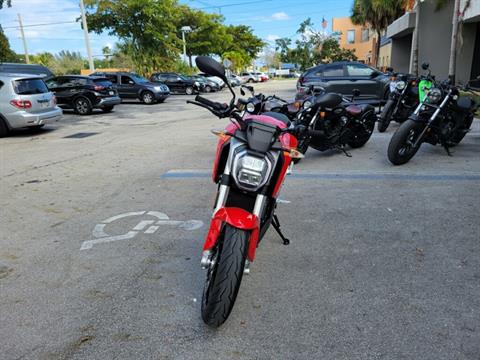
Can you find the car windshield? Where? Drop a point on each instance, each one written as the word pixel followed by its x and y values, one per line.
pixel 30 86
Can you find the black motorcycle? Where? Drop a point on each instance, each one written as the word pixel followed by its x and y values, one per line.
pixel 402 100
pixel 334 121
pixel 443 117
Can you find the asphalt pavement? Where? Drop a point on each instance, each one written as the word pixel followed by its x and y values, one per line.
pixel 102 221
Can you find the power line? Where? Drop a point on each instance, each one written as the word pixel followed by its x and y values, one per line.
pixel 236 4
pixel 43 24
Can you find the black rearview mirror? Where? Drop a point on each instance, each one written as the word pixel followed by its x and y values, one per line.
pixel 425 66
pixel 211 67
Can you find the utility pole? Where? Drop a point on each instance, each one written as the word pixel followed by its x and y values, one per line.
pixel 453 45
pixel 27 59
pixel 87 39
pixel 416 35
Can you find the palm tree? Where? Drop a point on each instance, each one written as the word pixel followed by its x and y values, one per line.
pixel 377 14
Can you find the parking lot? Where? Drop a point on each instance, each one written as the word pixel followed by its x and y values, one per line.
pixel 103 219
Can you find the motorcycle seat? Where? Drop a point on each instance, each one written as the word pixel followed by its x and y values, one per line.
pixel 329 100
pixel 278 116
pixel 358 109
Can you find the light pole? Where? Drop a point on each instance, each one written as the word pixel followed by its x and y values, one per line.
pixel 185 29
pixel 87 39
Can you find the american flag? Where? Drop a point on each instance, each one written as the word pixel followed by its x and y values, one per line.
pixel 324 23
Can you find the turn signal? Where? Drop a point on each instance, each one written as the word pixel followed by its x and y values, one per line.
pixel 294 154
pixel 222 134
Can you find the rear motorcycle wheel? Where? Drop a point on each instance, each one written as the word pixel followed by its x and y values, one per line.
pixel 224 276
pixel 385 116
pixel 400 148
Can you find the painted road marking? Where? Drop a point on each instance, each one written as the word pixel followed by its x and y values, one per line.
pixel 100 236
pixel 343 175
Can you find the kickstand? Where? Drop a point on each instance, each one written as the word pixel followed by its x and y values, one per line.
pixel 447 149
pixel 276 226
pixel 342 149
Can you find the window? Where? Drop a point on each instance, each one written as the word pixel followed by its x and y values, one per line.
pixel 359 70
pixel 172 78
pixel 30 86
pixel 350 36
pixel 333 71
pixel 112 78
pixel 126 80
pixel 365 35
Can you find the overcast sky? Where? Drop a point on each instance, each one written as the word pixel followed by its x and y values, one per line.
pixel 270 20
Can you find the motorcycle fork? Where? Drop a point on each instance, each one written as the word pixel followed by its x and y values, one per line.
pixel 431 120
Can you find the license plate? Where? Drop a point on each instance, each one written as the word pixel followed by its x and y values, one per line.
pixel 111 92
pixel 45 104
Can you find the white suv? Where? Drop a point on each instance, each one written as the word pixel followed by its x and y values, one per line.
pixel 25 101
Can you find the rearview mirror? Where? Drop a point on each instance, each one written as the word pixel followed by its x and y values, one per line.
pixel 211 67
pixel 425 66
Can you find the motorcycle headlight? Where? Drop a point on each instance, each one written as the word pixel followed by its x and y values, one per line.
pixel 400 85
pixel 307 104
pixel 251 172
pixel 251 107
pixel 434 95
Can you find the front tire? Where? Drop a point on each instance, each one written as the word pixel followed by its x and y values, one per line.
pixel 401 149
pixel 224 276
pixel 3 128
pixel 189 90
pixel 208 88
pixel 385 116
pixel 148 98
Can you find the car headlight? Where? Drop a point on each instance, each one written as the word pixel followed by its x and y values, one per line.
pixel 250 172
pixel 196 83
pixel 307 104
pixel 434 95
pixel 251 107
pixel 400 85
pixel 157 88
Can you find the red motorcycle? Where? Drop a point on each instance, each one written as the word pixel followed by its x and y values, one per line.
pixel 253 156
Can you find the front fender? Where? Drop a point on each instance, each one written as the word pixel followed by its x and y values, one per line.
pixel 237 218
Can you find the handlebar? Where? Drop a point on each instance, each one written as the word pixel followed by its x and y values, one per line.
pixel 214 105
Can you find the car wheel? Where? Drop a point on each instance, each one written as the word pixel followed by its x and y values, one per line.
pixel 107 109
pixel 189 90
pixel 82 106
pixel 3 128
pixel 208 88
pixel 148 97
pixel 250 81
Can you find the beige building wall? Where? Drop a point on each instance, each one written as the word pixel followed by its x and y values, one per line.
pixel 355 37
pixel 385 56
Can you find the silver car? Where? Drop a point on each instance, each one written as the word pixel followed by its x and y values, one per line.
pixel 25 101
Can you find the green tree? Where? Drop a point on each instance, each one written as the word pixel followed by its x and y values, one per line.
pixel 6 53
pixel 243 39
pixel 239 59
pixel 147 28
pixel 331 51
pixel 378 14
pixel 43 58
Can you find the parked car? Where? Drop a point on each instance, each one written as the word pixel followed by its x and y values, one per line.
pixel 345 76
pixel 262 77
pixel 177 83
pixel 235 80
pixel 206 84
pixel 216 79
pixel 133 86
pixel 31 69
pixel 249 77
pixel 84 93
pixel 25 101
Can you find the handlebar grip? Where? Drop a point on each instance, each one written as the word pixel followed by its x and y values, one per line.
pixel 315 133
pixel 212 104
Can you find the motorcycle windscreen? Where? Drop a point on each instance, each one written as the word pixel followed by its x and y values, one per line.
pixel 260 136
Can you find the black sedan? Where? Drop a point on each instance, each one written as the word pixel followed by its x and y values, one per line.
pixel 177 83
pixel 343 77
pixel 84 93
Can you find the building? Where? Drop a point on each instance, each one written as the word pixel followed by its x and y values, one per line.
pixel 356 37
pixel 435 32
pixel 385 53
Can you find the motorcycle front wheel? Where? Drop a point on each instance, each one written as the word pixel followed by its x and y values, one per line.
pixel 224 276
pixel 401 149
pixel 386 115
